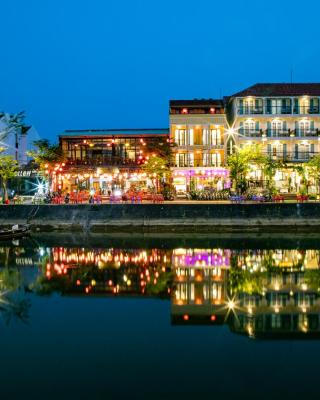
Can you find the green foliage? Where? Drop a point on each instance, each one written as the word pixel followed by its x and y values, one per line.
pixel 12 122
pixel 46 153
pixel 314 169
pixel 8 169
pixel 240 163
pixel 158 168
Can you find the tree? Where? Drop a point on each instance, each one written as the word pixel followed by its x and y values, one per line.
pixel 46 154
pixel 8 169
pixel 157 168
pixel 12 124
pixel 314 169
pixel 240 163
pixel 48 157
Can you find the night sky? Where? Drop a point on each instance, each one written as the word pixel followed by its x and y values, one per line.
pixel 78 64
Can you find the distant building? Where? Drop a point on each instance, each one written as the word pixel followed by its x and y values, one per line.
pixel 17 141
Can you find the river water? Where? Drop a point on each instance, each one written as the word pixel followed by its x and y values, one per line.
pixel 157 317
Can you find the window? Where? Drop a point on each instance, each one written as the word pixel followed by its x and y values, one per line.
pixel 304 127
pixel 211 137
pixel 276 126
pixel 215 137
pixel 180 137
pixel 211 159
pixel 275 321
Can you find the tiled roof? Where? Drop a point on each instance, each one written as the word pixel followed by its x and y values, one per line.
pixel 196 102
pixel 280 89
pixel 115 132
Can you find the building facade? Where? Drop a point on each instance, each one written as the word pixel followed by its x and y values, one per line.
pixel 197 129
pixel 105 160
pixel 284 119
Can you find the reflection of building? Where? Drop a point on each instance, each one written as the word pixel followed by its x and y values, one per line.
pixel 109 159
pixel 278 294
pixel 111 271
pixel 197 128
pixel 199 293
pixel 284 119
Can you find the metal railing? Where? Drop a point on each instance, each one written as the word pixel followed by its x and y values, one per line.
pixel 278 133
pixel 250 132
pixel 276 110
pixel 306 132
pixel 301 156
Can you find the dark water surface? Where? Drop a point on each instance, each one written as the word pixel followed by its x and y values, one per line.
pixel 160 317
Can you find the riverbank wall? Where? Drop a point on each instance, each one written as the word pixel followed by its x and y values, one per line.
pixel 202 218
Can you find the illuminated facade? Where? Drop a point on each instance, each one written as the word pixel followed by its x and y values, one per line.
pixel 197 129
pixel 284 119
pixel 108 159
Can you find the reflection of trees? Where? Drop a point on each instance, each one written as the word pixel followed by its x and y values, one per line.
pixel 12 303
pixel 244 281
pixel 312 279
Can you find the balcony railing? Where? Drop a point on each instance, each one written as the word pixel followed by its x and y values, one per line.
pixel 278 133
pixel 301 156
pixel 277 110
pixel 246 110
pixel 306 133
pixel 198 164
pixel 102 161
pixel 250 132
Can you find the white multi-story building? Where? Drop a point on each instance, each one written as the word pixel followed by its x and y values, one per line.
pixel 16 138
pixel 282 117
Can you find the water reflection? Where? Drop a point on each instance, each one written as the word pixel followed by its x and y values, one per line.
pixel 256 292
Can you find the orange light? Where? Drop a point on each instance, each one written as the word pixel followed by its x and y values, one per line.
pixel 213 317
pixel 184 111
pixel 186 317
pixel 212 110
pixel 78 282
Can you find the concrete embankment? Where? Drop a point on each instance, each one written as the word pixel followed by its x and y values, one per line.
pixel 200 218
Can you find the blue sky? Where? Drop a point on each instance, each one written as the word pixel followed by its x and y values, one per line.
pixel 78 64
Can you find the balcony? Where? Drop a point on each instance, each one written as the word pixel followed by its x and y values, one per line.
pixel 102 162
pixel 306 110
pixel 278 133
pixel 278 110
pixel 307 133
pixel 250 110
pixel 250 133
pixel 302 156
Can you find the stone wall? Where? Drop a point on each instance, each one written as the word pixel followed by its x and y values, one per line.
pixel 166 217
